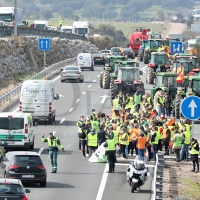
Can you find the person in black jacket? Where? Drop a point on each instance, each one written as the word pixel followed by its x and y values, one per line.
pixel 194 153
pixel 101 135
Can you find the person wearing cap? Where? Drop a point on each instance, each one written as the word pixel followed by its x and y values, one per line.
pixel 110 152
pixel 53 143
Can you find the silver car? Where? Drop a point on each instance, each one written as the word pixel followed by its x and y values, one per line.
pixel 72 73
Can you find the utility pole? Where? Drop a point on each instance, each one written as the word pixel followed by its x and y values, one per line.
pixel 15 25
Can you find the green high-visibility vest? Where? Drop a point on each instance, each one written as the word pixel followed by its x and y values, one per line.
pixel 137 99
pixel 111 145
pixel 188 127
pixel 161 100
pixel 156 138
pixel 177 141
pixel 95 125
pixel 116 136
pixel 92 140
pixel 52 143
pixel 78 124
pixel 115 105
pixel 187 137
pixel 194 151
pixel 149 100
pixel 124 136
pixel 130 103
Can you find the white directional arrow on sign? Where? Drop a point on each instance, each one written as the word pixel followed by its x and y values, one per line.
pixel 42 44
pixel 103 98
pixel 192 106
pixel 46 44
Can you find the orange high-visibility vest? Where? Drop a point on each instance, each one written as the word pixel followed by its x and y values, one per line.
pixel 165 133
pixel 141 144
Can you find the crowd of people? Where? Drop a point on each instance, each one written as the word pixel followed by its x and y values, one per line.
pixel 135 126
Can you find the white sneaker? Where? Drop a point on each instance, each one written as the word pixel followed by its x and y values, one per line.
pixel 87 155
pixel 123 158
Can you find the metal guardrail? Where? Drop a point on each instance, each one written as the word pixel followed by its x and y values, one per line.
pixel 158 177
pixel 6 31
pixel 13 94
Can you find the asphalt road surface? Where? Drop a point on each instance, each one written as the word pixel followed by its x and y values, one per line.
pixel 77 178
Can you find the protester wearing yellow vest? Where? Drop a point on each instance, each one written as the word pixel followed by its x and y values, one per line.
pixel 178 138
pixel 92 141
pixel 154 141
pixel 123 141
pixel 194 153
pixel 110 152
pixel 137 100
pixel 186 142
pixel 129 102
pixel 115 106
pixel 160 102
pixel 79 125
pixel 53 143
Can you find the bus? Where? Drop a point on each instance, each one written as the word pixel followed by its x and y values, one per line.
pixel 83 28
pixel 196 13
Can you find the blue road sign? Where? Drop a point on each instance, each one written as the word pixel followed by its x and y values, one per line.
pixel 176 47
pixel 190 108
pixel 44 44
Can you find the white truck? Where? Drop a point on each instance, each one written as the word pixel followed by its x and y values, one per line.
pixel 7 14
pixel 83 28
pixel 66 29
pixel 40 25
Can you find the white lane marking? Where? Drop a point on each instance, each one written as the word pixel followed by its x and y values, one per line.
pixel 129 164
pixel 89 86
pixel 102 184
pixel 83 93
pixel 69 145
pixel 60 95
pixel 40 151
pixel 54 132
pixel 16 110
pixel 94 80
pixel 98 76
pixel 77 100
pixel 62 120
pixel 70 110
pixel 55 78
pixel 104 98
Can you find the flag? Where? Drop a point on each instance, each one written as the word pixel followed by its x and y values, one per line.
pixel 180 77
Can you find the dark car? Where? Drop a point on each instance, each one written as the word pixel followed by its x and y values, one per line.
pixel 129 53
pixel 116 51
pixel 98 58
pixel 12 189
pixel 23 165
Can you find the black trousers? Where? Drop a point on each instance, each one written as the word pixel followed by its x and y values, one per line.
pixel 84 144
pixel 149 151
pixel 122 148
pixel 159 148
pixel 166 144
pixel 111 160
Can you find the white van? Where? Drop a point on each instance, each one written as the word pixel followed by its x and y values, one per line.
pixel 41 25
pixel 67 29
pixel 17 130
pixel 85 61
pixel 37 97
pixel 191 44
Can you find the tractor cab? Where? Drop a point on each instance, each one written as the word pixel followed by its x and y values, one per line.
pixel 159 58
pixel 194 86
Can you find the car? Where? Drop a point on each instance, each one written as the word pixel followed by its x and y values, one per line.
pixel 12 189
pixel 104 51
pixel 72 73
pixel 24 165
pixel 129 53
pixel 116 51
pixel 98 58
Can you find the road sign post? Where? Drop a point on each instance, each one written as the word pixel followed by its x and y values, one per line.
pixel 44 44
pixel 176 47
pixel 190 108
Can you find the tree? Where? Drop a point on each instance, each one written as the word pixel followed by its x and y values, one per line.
pixel 161 15
pixel 47 14
pixel 180 18
pixel 189 21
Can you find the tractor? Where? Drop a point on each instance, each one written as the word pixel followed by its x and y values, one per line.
pixel 158 59
pixel 126 78
pixel 189 87
pixel 109 68
pixel 164 82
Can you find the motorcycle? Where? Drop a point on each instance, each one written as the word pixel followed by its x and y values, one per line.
pixel 137 174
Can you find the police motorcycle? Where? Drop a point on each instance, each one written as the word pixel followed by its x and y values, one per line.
pixel 137 174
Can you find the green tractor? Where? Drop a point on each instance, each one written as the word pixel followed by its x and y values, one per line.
pixel 164 82
pixel 109 68
pixel 126 78
pixel 158 59
pixel 154 45
pixel 189 87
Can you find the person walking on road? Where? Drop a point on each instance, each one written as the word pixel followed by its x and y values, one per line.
pixel 110 152
pixel 194 152
pixel 92 141
pixel 60 23
pixel 141 145
pixel 53 143
pixel 79 126
pixel 177 143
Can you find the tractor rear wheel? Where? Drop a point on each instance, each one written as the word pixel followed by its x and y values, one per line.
pixel 100 80
pixel 146 58
pixel 150 75
pixel 106 80
pixel 114 89
pixel 140 55
pixel 176 106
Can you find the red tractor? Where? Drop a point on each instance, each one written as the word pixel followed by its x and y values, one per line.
pixel 137 38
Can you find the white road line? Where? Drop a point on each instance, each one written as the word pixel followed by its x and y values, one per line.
pixel 16 110
pixel 62 120
pixel 70 110
pixel 77 100
pixel 40 151
pixel 94 80
pixel 83 93
pixel 102 184
pixel 129 164
pixel 69 145
pixel 89 86
pixel 55 78
pixel 54 132
pixel 98 76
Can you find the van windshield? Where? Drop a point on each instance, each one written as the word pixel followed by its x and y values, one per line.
pixel 11 123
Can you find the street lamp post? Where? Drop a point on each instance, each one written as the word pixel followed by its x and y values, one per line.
pixel 15 24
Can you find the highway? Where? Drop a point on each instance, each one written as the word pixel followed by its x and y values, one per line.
pixel 76 177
